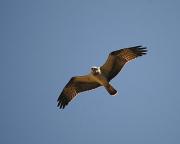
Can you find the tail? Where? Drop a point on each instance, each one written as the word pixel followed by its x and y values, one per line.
pixel 110 89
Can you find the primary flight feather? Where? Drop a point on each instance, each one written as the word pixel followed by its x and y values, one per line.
pixel 100 76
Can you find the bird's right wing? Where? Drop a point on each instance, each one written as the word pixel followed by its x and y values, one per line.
pixel 117 59
pixel 73 87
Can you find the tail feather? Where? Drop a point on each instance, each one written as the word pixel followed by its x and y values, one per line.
pixel 110 89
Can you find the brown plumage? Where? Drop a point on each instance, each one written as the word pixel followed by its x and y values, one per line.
pixel 75 86
pixel 117 59
pixel 100 76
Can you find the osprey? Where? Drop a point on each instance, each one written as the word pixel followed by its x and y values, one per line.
pixel 100 76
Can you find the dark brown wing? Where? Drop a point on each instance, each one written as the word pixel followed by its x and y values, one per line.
pixel 73 87
pixel 117 59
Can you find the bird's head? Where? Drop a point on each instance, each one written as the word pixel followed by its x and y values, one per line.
pixel 95 70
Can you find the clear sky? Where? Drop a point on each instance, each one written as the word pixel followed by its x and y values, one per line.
pixel 46 42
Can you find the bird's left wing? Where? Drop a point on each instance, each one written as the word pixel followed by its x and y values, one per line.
pixel 117 59
pixel 73 87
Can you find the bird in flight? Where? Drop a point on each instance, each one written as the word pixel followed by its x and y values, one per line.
pixel 100 76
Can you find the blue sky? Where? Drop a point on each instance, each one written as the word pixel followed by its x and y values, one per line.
pixel 44 43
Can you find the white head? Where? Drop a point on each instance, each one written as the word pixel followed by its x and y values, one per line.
pixel 95 70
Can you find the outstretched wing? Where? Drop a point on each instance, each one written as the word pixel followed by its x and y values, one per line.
pixel 117 59
pixel 73 87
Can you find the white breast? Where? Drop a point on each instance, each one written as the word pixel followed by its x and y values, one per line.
pixel 99 78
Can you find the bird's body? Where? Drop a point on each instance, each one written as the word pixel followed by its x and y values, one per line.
pixel 100 76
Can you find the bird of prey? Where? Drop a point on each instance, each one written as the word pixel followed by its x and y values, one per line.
pixel 100 76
